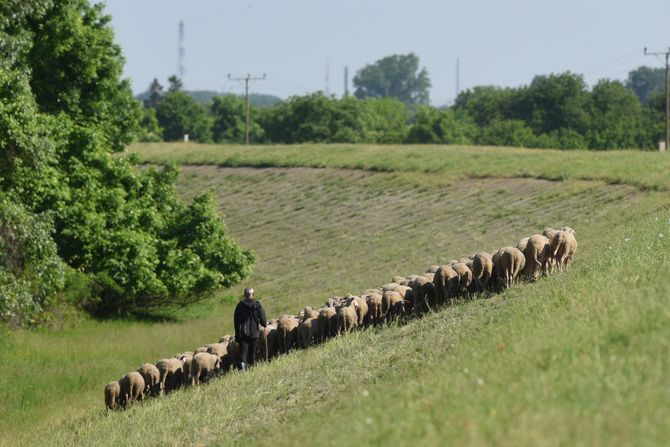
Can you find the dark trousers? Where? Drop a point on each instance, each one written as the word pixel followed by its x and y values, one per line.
pixel 248 350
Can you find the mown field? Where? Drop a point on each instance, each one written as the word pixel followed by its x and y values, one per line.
pixel 581 357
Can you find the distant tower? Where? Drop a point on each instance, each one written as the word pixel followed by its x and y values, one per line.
pixel 327 78
pixel 181 52
pixel 346 81
pixel 458 78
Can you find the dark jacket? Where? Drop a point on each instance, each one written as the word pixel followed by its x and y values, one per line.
pixel 248 315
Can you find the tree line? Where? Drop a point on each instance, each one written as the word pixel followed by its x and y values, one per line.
pixel 552 111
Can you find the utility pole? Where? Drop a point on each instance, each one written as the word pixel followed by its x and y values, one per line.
pixel 667 92
pixel 458 78
pixel 248 78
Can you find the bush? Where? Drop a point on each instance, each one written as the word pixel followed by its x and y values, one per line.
pixel 31 273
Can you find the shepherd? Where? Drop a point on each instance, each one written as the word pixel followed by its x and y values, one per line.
pixel 249 314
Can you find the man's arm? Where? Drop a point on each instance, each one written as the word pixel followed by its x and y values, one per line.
pixel 261 315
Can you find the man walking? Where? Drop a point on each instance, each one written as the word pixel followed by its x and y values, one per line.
pixel 249 313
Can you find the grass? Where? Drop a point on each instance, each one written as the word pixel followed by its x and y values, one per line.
pixel 644 170
pixel 581 357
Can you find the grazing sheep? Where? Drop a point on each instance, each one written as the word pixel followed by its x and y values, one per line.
pixel 186 360
pixel 200 349
pixel 482 270
pixel 229 360
pixel 151 377
pixel 549 233
pixel 432 268
pixel 171 374
pixel 203 366
pixel 402 290
pixel 224 339
pixel 374 302
pixel 446 282
pixel 288 333
pixel 464 277
pixel 131 388
pixel 538 256
pixel 390 286
pixel 347 318
pixel 112 394
pixel 268 343
pixel 307 329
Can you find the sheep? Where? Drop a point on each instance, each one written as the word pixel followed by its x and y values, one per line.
pixel 112 393
pixel 327 322
pixel 402 290
pixel 218 349
pixel 390 286
pixel 268 343
pixel 308 312
pixel 420 304
pixel 538 256
pixel 521 245
pixel 287 329
pixel 229 359
pixel 347 318
pixel 204 365
pixel 200 349
pixel 224 339
pixel 482 270
pixel 374 302
pixel 131 388
pixel 151 377
pixel 400 280
pixel 171 374
pixel 307 329
pixel 464 277
pixel 362 310
pixel 446 284
pixel 388 299
pixel 508 262
pixel 186 358
pixel 563 246
pixel 432 268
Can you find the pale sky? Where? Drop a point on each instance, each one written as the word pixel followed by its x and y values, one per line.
pixel 502 43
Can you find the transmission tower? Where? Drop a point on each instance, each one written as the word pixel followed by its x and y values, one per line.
pixel 181 52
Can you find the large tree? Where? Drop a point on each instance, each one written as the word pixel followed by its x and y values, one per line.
pixel 396 76
pixel 63 110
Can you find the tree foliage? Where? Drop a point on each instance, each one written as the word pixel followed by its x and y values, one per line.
pixel 178 114
pixel 228 120
pixel 645 81
pixel 63 111
pixel 396 76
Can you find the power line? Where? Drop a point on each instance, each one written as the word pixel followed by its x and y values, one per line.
pixel 247 79
pixel 667 91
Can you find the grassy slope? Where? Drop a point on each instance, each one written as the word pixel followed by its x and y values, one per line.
pixel 368 227
pixel 644 170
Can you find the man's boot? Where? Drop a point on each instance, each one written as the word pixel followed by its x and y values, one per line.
pixel 243 366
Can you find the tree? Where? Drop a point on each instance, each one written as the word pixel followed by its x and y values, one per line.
pixel 178 114
pixel 395 76
pixel 63 110
pixel 434 126
pixel 644 81
pixel 154 94
pixel 176 84
pixel 228 118
pixel 616 117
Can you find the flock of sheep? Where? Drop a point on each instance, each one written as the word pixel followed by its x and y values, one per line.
pixel 539 254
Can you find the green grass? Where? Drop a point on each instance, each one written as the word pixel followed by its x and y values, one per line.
pixel 585 356
pixel 644 170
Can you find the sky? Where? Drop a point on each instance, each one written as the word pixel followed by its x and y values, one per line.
pixel 303 46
